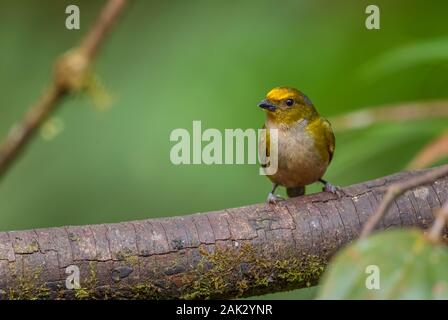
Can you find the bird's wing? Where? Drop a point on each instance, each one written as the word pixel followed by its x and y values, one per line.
pixel 329 136
pixel 264 153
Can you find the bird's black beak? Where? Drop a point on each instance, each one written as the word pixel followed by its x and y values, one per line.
pixel 266 104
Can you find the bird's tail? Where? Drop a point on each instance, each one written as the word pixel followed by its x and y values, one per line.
pixel 295 191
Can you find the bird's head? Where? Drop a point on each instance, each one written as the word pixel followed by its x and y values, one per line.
pixel 286 106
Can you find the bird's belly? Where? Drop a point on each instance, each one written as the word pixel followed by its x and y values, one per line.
pixel 299 161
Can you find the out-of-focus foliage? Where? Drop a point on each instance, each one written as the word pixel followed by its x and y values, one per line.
pixel 405 263
pixel 434 151
pixel 171 62
pixel 433 51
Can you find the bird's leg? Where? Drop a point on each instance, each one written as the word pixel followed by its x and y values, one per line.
pixel 328 187
pixel 272 197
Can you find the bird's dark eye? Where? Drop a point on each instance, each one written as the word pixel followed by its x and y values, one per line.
pixel 289 102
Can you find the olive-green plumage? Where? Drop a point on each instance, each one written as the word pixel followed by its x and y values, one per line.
pixel 306 141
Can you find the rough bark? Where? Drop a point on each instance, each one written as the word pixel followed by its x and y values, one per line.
pixel 234 252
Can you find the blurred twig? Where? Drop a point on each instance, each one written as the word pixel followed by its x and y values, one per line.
pixel 71 71
pixel 390 113
pixel 397 189
pixel 436 231
pixel 434 151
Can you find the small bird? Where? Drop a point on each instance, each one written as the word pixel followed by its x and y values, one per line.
pixel 306 142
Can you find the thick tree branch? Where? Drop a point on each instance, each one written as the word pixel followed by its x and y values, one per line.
pixel 70 74
pixel 234 252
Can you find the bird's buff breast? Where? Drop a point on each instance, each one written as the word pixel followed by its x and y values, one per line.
pixel 299 161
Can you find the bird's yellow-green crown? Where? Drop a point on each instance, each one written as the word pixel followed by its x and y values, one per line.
pixel 283 93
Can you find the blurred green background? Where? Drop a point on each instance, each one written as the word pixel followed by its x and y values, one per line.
pixel 171 62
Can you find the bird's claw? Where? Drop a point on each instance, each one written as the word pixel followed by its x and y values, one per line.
pixel 328 187
pixel 273 198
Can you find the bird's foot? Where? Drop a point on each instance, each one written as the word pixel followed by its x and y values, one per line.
pixel 273 198
pixel 328 187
